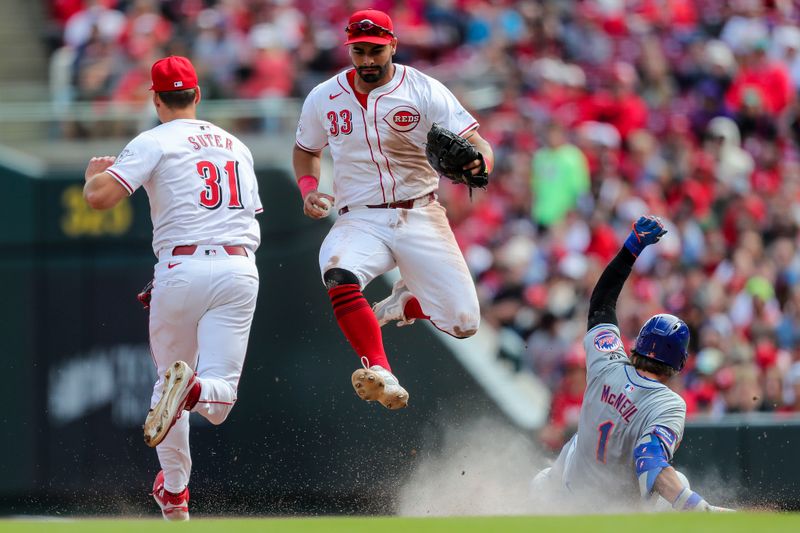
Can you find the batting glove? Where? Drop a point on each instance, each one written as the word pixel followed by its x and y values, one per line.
pixel 646 231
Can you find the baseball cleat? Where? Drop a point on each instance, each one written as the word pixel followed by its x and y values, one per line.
pixel 378 384
pixel 393 307
pixel 173 506
pixel 178 382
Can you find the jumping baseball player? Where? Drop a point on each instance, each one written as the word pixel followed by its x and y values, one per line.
pixel 375 118
pixel 203 201
pixel 631 423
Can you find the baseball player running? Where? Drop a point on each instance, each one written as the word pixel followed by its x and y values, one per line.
pixel 631 423
pixel 203 201
pixel 375 118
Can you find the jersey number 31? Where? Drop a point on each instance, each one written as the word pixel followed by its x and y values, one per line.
pixel 211 195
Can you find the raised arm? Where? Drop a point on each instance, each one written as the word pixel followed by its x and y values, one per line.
pixel 603 303
pixel 101 190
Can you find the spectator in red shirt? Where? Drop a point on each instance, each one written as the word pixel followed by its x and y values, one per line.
pixel 621 106
pixel 269 72
pixel 769 77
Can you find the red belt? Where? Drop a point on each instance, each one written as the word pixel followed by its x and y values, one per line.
pixel 192 248
pixel 402 204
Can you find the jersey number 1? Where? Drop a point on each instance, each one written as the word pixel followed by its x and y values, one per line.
pixel 211 195
pixel 605 431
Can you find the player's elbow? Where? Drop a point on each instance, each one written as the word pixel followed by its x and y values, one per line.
pixel 94 199
pixel 98 200
pixel 103 194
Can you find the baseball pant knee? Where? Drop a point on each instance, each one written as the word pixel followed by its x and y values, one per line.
pixel 216 400
pixel 216 413
pixel 466 326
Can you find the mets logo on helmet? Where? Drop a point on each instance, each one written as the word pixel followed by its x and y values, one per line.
pixel 606 341
pixel 402 118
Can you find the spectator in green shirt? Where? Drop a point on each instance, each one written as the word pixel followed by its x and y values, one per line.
pixel 560 176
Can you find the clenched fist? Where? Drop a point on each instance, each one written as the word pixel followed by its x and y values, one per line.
pixel 97 165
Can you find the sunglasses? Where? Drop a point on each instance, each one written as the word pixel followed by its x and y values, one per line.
pixel 367 28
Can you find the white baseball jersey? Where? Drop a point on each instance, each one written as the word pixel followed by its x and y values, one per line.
pixel 203 191
pixel 379 152
pixel 619 407
pixel 200 182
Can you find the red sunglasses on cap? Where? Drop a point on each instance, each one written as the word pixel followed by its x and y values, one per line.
pixel 367 28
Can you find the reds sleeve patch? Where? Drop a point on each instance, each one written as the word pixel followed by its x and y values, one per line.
pixel 607 341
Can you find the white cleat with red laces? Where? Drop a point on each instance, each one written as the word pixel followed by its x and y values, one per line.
pixel 174 507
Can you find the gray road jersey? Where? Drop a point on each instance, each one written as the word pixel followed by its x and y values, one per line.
pixel 619 407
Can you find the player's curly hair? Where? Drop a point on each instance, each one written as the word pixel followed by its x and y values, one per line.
pixel 178 99
pixel 640 362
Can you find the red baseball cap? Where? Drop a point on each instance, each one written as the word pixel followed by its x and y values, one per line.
pixel 369 26
pixel 173 73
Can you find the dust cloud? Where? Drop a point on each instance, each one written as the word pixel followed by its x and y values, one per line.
pixel 483 468
pixel 486 468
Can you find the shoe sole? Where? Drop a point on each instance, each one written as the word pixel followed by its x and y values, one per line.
pixel 178 381
pixel 370 386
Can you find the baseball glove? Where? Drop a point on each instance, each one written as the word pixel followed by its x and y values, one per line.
pixel 145 295
pixel 448 153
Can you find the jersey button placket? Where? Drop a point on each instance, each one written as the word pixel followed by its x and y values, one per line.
pixel 384 181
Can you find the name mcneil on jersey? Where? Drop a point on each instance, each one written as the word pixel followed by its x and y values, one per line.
pixel 620 402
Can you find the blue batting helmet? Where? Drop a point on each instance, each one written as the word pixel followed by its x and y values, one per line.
pixel 664 338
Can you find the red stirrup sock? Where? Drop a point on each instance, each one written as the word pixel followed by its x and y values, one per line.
pixel 358 323
pixel 412 309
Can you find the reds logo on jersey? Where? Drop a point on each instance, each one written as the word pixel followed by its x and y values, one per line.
pixel 402 118
pixel 606 341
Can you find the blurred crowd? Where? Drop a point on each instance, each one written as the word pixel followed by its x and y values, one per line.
pixel 599 111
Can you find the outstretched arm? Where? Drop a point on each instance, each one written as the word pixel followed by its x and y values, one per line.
pixel 670 487
pixel 651 459
pixel 603 302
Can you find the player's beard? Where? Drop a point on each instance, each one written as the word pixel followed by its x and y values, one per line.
pixel 375 75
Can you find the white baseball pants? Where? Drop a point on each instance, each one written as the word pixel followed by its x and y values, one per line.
pixel 419 241
pixel 201 312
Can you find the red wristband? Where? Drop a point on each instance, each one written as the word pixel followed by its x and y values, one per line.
pixel 307 184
